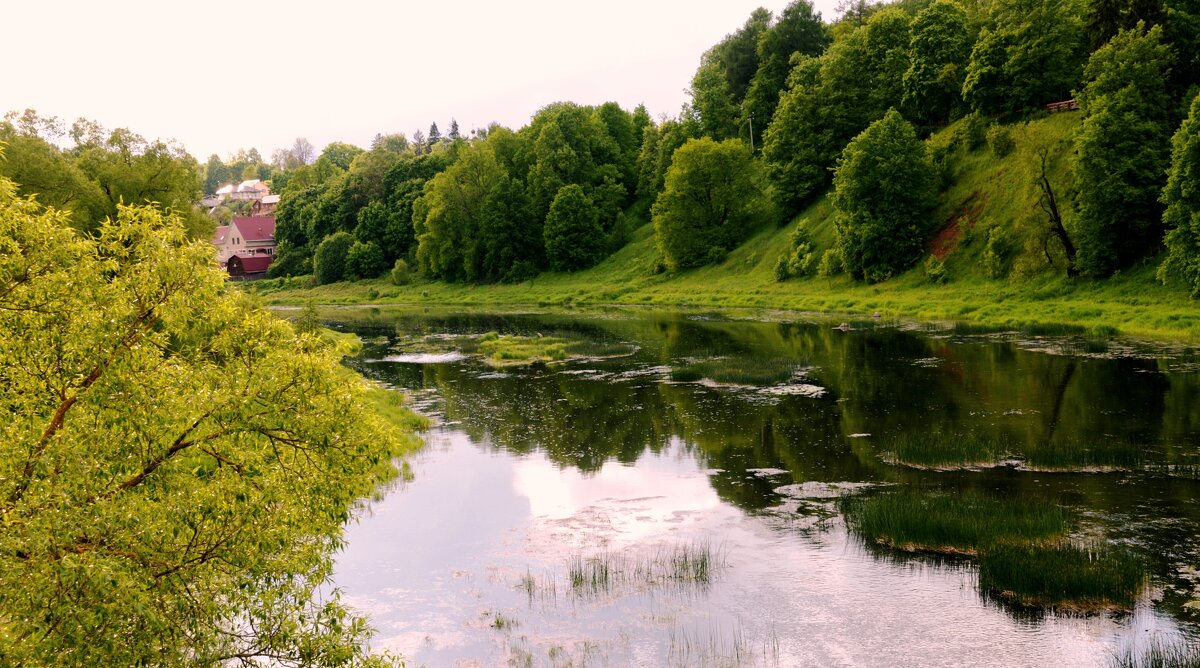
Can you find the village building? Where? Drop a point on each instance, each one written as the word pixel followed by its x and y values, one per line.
pixel 265 206
pixel 254 189
pixel 246 244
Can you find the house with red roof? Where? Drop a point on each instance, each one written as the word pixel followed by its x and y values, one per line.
pixel 249 239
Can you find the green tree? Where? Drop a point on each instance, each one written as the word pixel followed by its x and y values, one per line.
pixel 174 483
pixel 939 51
pixel 883 194
pixel 1122 146
pixel 329 262
pixel 1182 199
pixel 574 238
pixel 713 99
pixel 451 211
pixel 711 201
pixel 798 30
pixel 364 260
pixel 1029 53
pixel 832 99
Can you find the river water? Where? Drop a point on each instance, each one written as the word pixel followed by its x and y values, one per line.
pixel 557 512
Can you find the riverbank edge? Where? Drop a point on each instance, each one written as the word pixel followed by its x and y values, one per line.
pixel 1119 306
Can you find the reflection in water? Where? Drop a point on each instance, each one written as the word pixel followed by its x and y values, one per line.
pixel 537 466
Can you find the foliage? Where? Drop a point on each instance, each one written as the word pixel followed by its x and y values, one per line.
pixel 995 255
pixel 710 203
pixel 884 194
pixel 290 262
pixel 940 48
pixel 832 99
pixel 935 270
pixel 999 138
pixel 574 239
pixel 720 83
pixel 176 464
pixel 799 30
pixel 364 260
pixel 800 258
pixel 1029 52
pixel 831 263
pixel 329 262
pixel 1122 148
pixel 400 274
pixel 1182 199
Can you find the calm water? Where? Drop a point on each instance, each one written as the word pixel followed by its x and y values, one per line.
pixel 531 474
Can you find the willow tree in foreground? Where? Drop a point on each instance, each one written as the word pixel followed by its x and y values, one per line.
pixel 175 465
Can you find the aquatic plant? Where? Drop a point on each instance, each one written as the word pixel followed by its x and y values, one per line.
pixel 1071 454
pixel 936 450
pixel 1160 655
pixel 737 370
pixel 1063 576
pixel 923 521
pixel 683 564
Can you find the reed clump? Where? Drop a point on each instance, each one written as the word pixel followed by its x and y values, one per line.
pixel 1066 577
pixel 736 371
pixel 949 450
pixel 954 524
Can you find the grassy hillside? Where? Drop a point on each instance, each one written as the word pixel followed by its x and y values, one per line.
pixel 984 192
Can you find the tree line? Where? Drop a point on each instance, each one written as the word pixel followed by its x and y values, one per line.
pixel 783 109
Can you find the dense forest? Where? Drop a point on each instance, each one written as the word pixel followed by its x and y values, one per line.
pixel 871 110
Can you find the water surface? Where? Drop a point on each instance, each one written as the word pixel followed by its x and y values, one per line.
pixel 531 473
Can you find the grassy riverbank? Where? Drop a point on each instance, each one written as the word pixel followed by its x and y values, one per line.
pixel 985 192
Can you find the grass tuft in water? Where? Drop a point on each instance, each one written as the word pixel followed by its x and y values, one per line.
pixel 1159 655
pixel 962 524
pixel 948 450
pixel 1101 454
pixel 1064 576
pixel 737 371
pixel 683 565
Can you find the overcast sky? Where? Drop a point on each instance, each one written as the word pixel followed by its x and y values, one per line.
pixel 221 75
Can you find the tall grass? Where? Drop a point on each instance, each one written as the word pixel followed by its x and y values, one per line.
pixel 921 521
pixel 1159 655
pixel 1063 576
pixel 736 371
pixel 1107 453
pixel 692 564
pixel 936 450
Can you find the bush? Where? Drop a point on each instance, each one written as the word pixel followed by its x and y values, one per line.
pixel 291 262
pixel 831 263
pixel 995 256
pixel 364 260
pixel 800 258
pixel 401 274
pixel 971 132
pixel 999 137
pixel 935 270
pixel 329 262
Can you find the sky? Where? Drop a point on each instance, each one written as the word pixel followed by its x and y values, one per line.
pixel 219 75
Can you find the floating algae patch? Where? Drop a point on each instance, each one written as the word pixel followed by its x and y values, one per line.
pixel 1065 577
pixel 501 350
pixel 954 524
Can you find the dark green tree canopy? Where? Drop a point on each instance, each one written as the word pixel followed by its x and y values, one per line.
pixel 574 238
pixel 1182 199
pixel 883 192
pixel 939 51
pixel 1122 147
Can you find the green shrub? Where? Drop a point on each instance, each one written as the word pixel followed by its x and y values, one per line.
pixel 401 274
pixel 971 132
pixel 999 137
pixel 800 258
pixel 364 260
pixel 831 263
pixel 329 262
pixel 995 256
pixel 935 270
